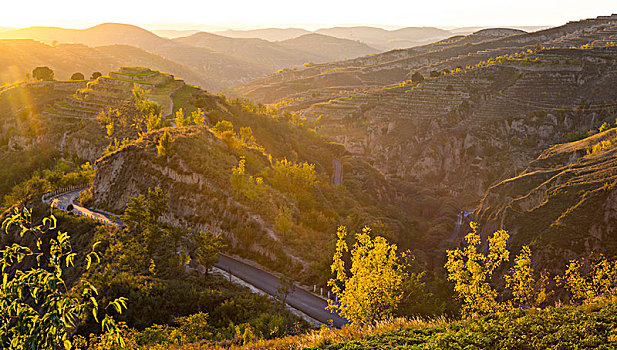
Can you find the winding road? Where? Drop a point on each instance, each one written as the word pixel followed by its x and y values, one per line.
pixel 302 300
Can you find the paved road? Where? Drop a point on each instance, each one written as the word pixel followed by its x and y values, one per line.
pixel 63 200
pixel 300 299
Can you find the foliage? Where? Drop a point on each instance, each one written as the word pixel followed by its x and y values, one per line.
pixel 77 76
pixel 588 279
pixel 550 328
pixel 417 77
pixel 38 310
pixel 206 248
pixel 95 75
pixel 372 290
pixel 164 147
pixel 527 291
pixel 283 223
pixel 471 271
pixel 222 127
pixel 63 174
pixel 43 73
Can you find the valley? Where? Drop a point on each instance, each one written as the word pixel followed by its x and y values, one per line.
pixel 401 188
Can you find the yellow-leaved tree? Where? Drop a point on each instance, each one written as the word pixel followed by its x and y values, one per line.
pixel 527 290
pixel 590 279
pixel 471 271
pixel 372 288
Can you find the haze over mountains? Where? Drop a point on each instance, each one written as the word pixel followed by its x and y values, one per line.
pixel 216 62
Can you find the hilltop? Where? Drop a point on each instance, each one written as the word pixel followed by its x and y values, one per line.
pixel 219 62
pixel 386 40
pixel 395 66
pixel 19 57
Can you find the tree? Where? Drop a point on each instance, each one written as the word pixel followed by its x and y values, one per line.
pixel 417 77
pixel 283 223
pixel 157 203
pixel 181 119
pixel 38 310
pixel 95 75
pixel 136 215
pixel 164 147
pixel 526 290
pixel 198 117
pixel 43 73
pixel 372 288
pixel 77 76
pixel 588 279
pixel 206 249
pixel 471 271
pixel 223 126
pixel 435 74
pixel 286 286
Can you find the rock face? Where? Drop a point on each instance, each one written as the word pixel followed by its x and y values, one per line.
pixel 564 204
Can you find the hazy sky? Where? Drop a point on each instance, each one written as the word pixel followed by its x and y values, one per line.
pixel 310 14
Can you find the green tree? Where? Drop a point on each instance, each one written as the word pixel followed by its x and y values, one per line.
pixel 157 203
pixel 417 77
pixel 471 271
pixel 165 146
pixel 372 288
pixel 43 73
pixel 95 75
pixel 206 249
pixel 77 76
pixel 136 215
pixel 283 223
pixel 38 310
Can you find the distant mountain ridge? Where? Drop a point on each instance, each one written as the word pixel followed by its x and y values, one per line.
pixel 220 62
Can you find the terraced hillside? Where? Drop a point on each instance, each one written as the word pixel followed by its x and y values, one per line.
pixel 564 202
pixel 396 66
pixel 19 57
pixel 113 90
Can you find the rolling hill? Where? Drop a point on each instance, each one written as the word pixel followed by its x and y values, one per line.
pixel 219 61
pixel 19 57
pixel 386 40
pixel 274 56
pixel 270 34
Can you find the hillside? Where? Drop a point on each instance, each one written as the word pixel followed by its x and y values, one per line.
pixel 215 62
pixel 200 171
pixel 563 202
pixel 20 57
pixel 329 48
pixel 445 140
pixel 386 40
pixel 270 34
pixel 289 53
pixel 216 70
pixel 395 66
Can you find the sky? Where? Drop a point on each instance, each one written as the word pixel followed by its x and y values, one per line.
pixel 309 14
